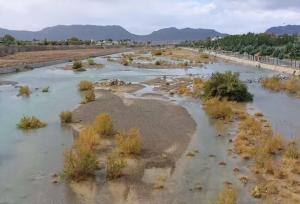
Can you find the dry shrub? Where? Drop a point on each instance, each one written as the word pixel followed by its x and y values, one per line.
pixel 198 85
pixel 228 196
pixel 115 164
pixel 66 117
pixel 292 151
pixel 31 123
pixel 156 52
pixel 89 138
pixel 86 85
pixel 291 86
pixel 219 109
pixel 130 142
pixel 104 125
pixel 273 83
pixel 90 96
pixel 24 91
pixel 183 90
pixel 79 163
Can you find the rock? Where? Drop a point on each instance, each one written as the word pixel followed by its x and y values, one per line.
pixel 212 155
pixel 230 141
pixel 236 170
pixel 190 154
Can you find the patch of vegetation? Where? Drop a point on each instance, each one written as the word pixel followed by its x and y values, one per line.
pixel 24 91
pixel 219 109
pixel 227 86
pixel 115 165
pixel 292 151
pixel 104 125
pixel 130 142
pixel 66 117
pixel 46 89
pixel 90 96
pixel 228 196
pixel 156 52
pixel 77 65
pixel 79 163
pixel 85 85
pixel 30 123
pixel 291 86
pixel 183 90
pixel 91 62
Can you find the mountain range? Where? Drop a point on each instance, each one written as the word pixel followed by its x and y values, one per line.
pixel 88 32
pixel 281 30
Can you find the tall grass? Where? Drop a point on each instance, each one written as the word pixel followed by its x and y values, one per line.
pixel 104 125
pixel 219 109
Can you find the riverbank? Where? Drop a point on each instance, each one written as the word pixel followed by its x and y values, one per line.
pixel 277 68
pixel 24 61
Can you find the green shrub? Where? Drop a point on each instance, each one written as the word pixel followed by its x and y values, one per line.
pixel 77 65
pixel 24 91
pixel 30 123
pixel 227 86
pixel 85 85
pixel 91 61
pixel 66 117
pixel 104 125
pixel 46 89
pixel 130 142
pixel 115 164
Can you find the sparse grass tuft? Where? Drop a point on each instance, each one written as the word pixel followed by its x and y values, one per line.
pixel 198 85
pixel 31 123
pixel 66 117
pixel 85 85
pixel 228 196
pixel 115 164
pixel 130 142
pixel 89 138
pixel 24 91
pixel 292 151
pixel 274 83
pixel 104 125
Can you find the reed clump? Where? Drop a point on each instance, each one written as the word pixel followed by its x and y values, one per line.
pixel 30 123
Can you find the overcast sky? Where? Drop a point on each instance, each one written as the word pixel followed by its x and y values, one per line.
pixel 142 17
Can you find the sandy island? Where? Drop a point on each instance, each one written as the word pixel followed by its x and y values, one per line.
pixel 166 132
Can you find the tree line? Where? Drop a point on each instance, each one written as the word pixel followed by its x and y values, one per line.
pixel 285 46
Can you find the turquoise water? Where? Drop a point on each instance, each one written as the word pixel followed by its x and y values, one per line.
pixel 28 159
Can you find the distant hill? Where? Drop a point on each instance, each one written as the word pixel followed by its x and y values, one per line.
pixel 87 32
pixel 281 30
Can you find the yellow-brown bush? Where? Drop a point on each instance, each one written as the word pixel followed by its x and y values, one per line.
pixel 66 117
pixel 115 165
pixel 273 83
pixel 292 151
pixel 24 91
pixel 198 85
pixel 104 125
pixel 90 96
pixel 89 138
pixel 130 142
pixel 156 52
pixel 77 65
pixel 228 196
pixel 85 85
pixel 31 123
pixel 219 109
pixel 80 162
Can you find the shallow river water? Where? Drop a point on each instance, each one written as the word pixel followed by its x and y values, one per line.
pixel 28 159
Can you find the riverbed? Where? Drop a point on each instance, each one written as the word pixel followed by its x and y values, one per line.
pixel 29 159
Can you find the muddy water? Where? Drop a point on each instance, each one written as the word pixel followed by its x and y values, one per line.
pixel 28 159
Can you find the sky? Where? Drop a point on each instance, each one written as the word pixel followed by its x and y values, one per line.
pixel 143 17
